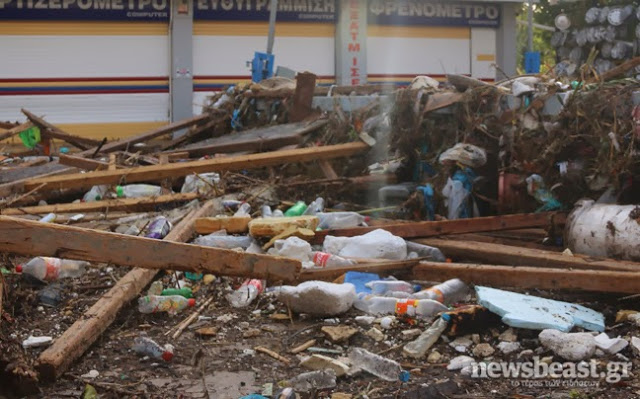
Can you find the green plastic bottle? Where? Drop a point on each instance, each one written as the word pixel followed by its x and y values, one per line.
pixel 297 209
pixel 185 292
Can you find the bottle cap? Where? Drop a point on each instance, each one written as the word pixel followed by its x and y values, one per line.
pixel 19 268
pixel 167 356
pixel 120 191
pixel 191 302
pixel 367 219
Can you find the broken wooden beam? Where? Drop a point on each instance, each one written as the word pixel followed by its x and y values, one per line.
pixel 130 141
pixel 97 206
pixel 16 130
pixel 458 226
pixel 302 96
pixel 531 277
pixel 55 132
pixel 28 237
pixel 516 256
pixel 160 172
pixel 82 163
pixel 331 273
pixel 232 224
pixel 18 186
pixel 56 359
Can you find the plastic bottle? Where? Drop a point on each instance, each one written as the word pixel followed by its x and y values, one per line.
pixel 421 345
pixel 278 213
pixel 155 288
pixel 320 379
pixel 416 250
pixel 231 204
pixel 138 190
pixel 185 292
pixel 50 269
pixel 224 241
pixel 159 228
pixel 340 220
pixel 243 210
pixel 48 218
pixel 381 367
pixel 381 287
pixel 297 209
pixel 147 346
pixel 448 292
pixel 248 291
pixel 411 307
pixel 95 194
pixel 266 212
pixel 323 259
pixel 315 207
pixel 172 304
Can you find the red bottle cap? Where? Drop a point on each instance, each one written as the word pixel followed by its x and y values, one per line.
pixel 191 302
pixel 19 268
pixel 167 356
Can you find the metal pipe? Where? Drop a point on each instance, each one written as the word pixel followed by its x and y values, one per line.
pixel 272 25
pixel 530 27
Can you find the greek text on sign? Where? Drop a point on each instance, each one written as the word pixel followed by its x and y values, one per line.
pixel 404 12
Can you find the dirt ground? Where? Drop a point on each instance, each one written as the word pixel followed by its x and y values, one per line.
pixel 226 365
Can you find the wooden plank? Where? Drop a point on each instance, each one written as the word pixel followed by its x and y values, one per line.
pixel 302 96
pixel 261 139
pixel 195 131
pixel 458 226
pixel 517 256
pixel 82 163
pixel 159 172
pixel 329 274
pixel 495 239
pixel 97 206
pixel 130 141
pixel 31 238
pixel 327 169
pixel 15 130
pixel 531 277
pixel 57 133
pixel 56 359
pixel 232 224
pixel 17 187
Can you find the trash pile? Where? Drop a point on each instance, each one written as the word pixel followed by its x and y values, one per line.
pixel 335 244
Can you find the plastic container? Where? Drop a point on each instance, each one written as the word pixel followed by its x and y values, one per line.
pixel 159 228
pixel 138 190
pixel 243 210
pixel 395 194
pixel 381 367
pixel 148 347
pixel 416 250
pixel 95 194
pixel 172 304
pixel 604 230
pixel 318 297
pixel 373 304
pixel 278 213
pixel 377 244
pixel 418 348
pixel 315 207
pixel 224 241
pixel 297 209
pixel 448 292
pixel 339 220
pixel 248 291
pixel 381 287
pixel 266 212
pixel 323 259
pixel 50 269
pixel 48 218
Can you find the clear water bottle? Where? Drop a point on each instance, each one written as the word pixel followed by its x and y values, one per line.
pixel 95 194
pixel 381 287
pixel 50 269
pixel 340 220
pixel 248 291
pixel 138 190
pixel 148 347
pixel 171 304
pixel 448 292
pixel 159 228
pixel 48 218
pixel 278 213
pixel 381 367
pixel 315 207
pixel 373 304
pixel 243 210
pixel 323 259
pixel 224 241
pixel 418 348
pixel 266 212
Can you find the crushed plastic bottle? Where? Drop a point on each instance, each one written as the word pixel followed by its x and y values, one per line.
pixel 248 291
pixel 96 193
pixel 224 241
pixel 50 269
pixel 171 304
pixel 148 347
pixel 297 209
pixel 321 379
pixel 203 183
pixel 381 287
pixel 266 211
pixel 373 304
pixel 138 191
pixel 323 259
pixel 243 210
pixel 421 345
pixel 159 228
pixel 315 207
pixel 381 367
pixel 340 220
pixel 450 291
